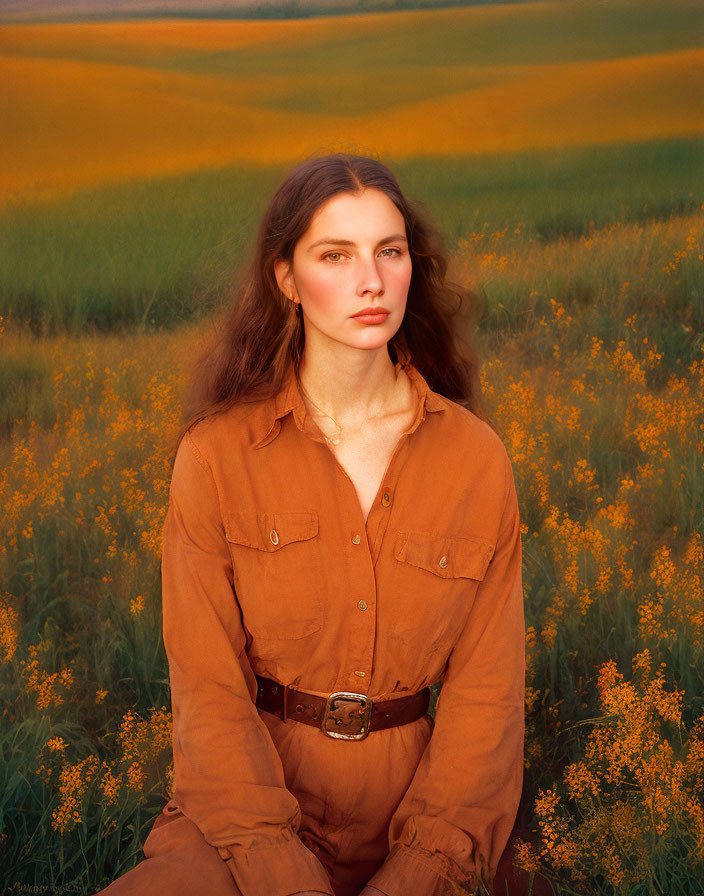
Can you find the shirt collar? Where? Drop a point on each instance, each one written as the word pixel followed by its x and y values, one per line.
pixel 290 400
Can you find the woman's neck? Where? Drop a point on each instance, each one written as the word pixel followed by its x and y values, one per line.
pixel 364 386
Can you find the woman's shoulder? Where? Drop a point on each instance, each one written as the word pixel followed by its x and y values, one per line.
pixel 229 430
pixel 472 457
pixel 469 431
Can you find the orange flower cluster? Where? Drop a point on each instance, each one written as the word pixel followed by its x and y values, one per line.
pixel 637 787
pixel 139 736
pixel 50 688
pixel 9 628
pixel 677 605
pixel 692 248
pixel 143 743
pixel 74 781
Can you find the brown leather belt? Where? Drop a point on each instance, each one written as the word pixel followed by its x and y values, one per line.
pixel 344 715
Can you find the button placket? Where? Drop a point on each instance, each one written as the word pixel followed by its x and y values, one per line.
pixel 383 507
pixel 363 623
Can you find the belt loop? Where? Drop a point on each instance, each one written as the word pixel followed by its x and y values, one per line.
pixel 284 717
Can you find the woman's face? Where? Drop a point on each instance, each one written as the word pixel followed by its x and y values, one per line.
pixel 353 256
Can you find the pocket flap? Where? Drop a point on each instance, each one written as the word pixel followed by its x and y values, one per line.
pixel 447 556
pixel 271 531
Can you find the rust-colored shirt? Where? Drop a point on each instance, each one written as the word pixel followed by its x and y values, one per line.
pixel 268 567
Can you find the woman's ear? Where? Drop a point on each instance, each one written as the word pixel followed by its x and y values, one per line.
pixel 282 272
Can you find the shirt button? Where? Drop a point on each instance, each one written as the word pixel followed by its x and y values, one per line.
pixel 360 674
pixel 355 539
pixel 362 605
pixel 386 498
pixel 274 536
pixel 443 562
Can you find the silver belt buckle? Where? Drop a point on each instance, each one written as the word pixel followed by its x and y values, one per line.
pixel 347 716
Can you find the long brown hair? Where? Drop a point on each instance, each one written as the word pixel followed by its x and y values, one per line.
pixel 260 333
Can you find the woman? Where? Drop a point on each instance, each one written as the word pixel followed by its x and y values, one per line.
pixel 342 532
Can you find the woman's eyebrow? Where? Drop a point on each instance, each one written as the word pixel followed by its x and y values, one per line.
pixel 328 240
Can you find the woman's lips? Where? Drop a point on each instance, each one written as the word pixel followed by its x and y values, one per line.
pixel 371 315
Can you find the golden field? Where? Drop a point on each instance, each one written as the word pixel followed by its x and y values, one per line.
pixel 86 104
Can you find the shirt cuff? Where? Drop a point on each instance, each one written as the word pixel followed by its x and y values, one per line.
pixel 408 869
pixel 282 867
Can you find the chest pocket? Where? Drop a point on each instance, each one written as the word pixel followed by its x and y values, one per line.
pixel 278 572
pixel 445 556
pixel 440 574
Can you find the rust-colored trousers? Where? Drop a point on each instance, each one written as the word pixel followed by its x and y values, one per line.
pixel 181 863
pixel 347 793
pixel 178 861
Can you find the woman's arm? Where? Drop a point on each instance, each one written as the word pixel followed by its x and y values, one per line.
pixel 228 776
pixel 454 821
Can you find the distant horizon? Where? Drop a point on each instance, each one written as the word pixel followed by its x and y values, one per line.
pixel 56 11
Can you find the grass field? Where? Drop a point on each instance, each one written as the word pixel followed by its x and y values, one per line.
pixel 597 395
pixel 559 146
pixel 158 252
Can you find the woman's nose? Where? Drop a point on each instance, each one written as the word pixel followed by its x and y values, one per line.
pixel 369 276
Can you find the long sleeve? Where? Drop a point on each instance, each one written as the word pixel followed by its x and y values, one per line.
pixel 228 776
pixel 455 819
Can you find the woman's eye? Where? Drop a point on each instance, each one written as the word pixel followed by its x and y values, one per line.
pixel 329 255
